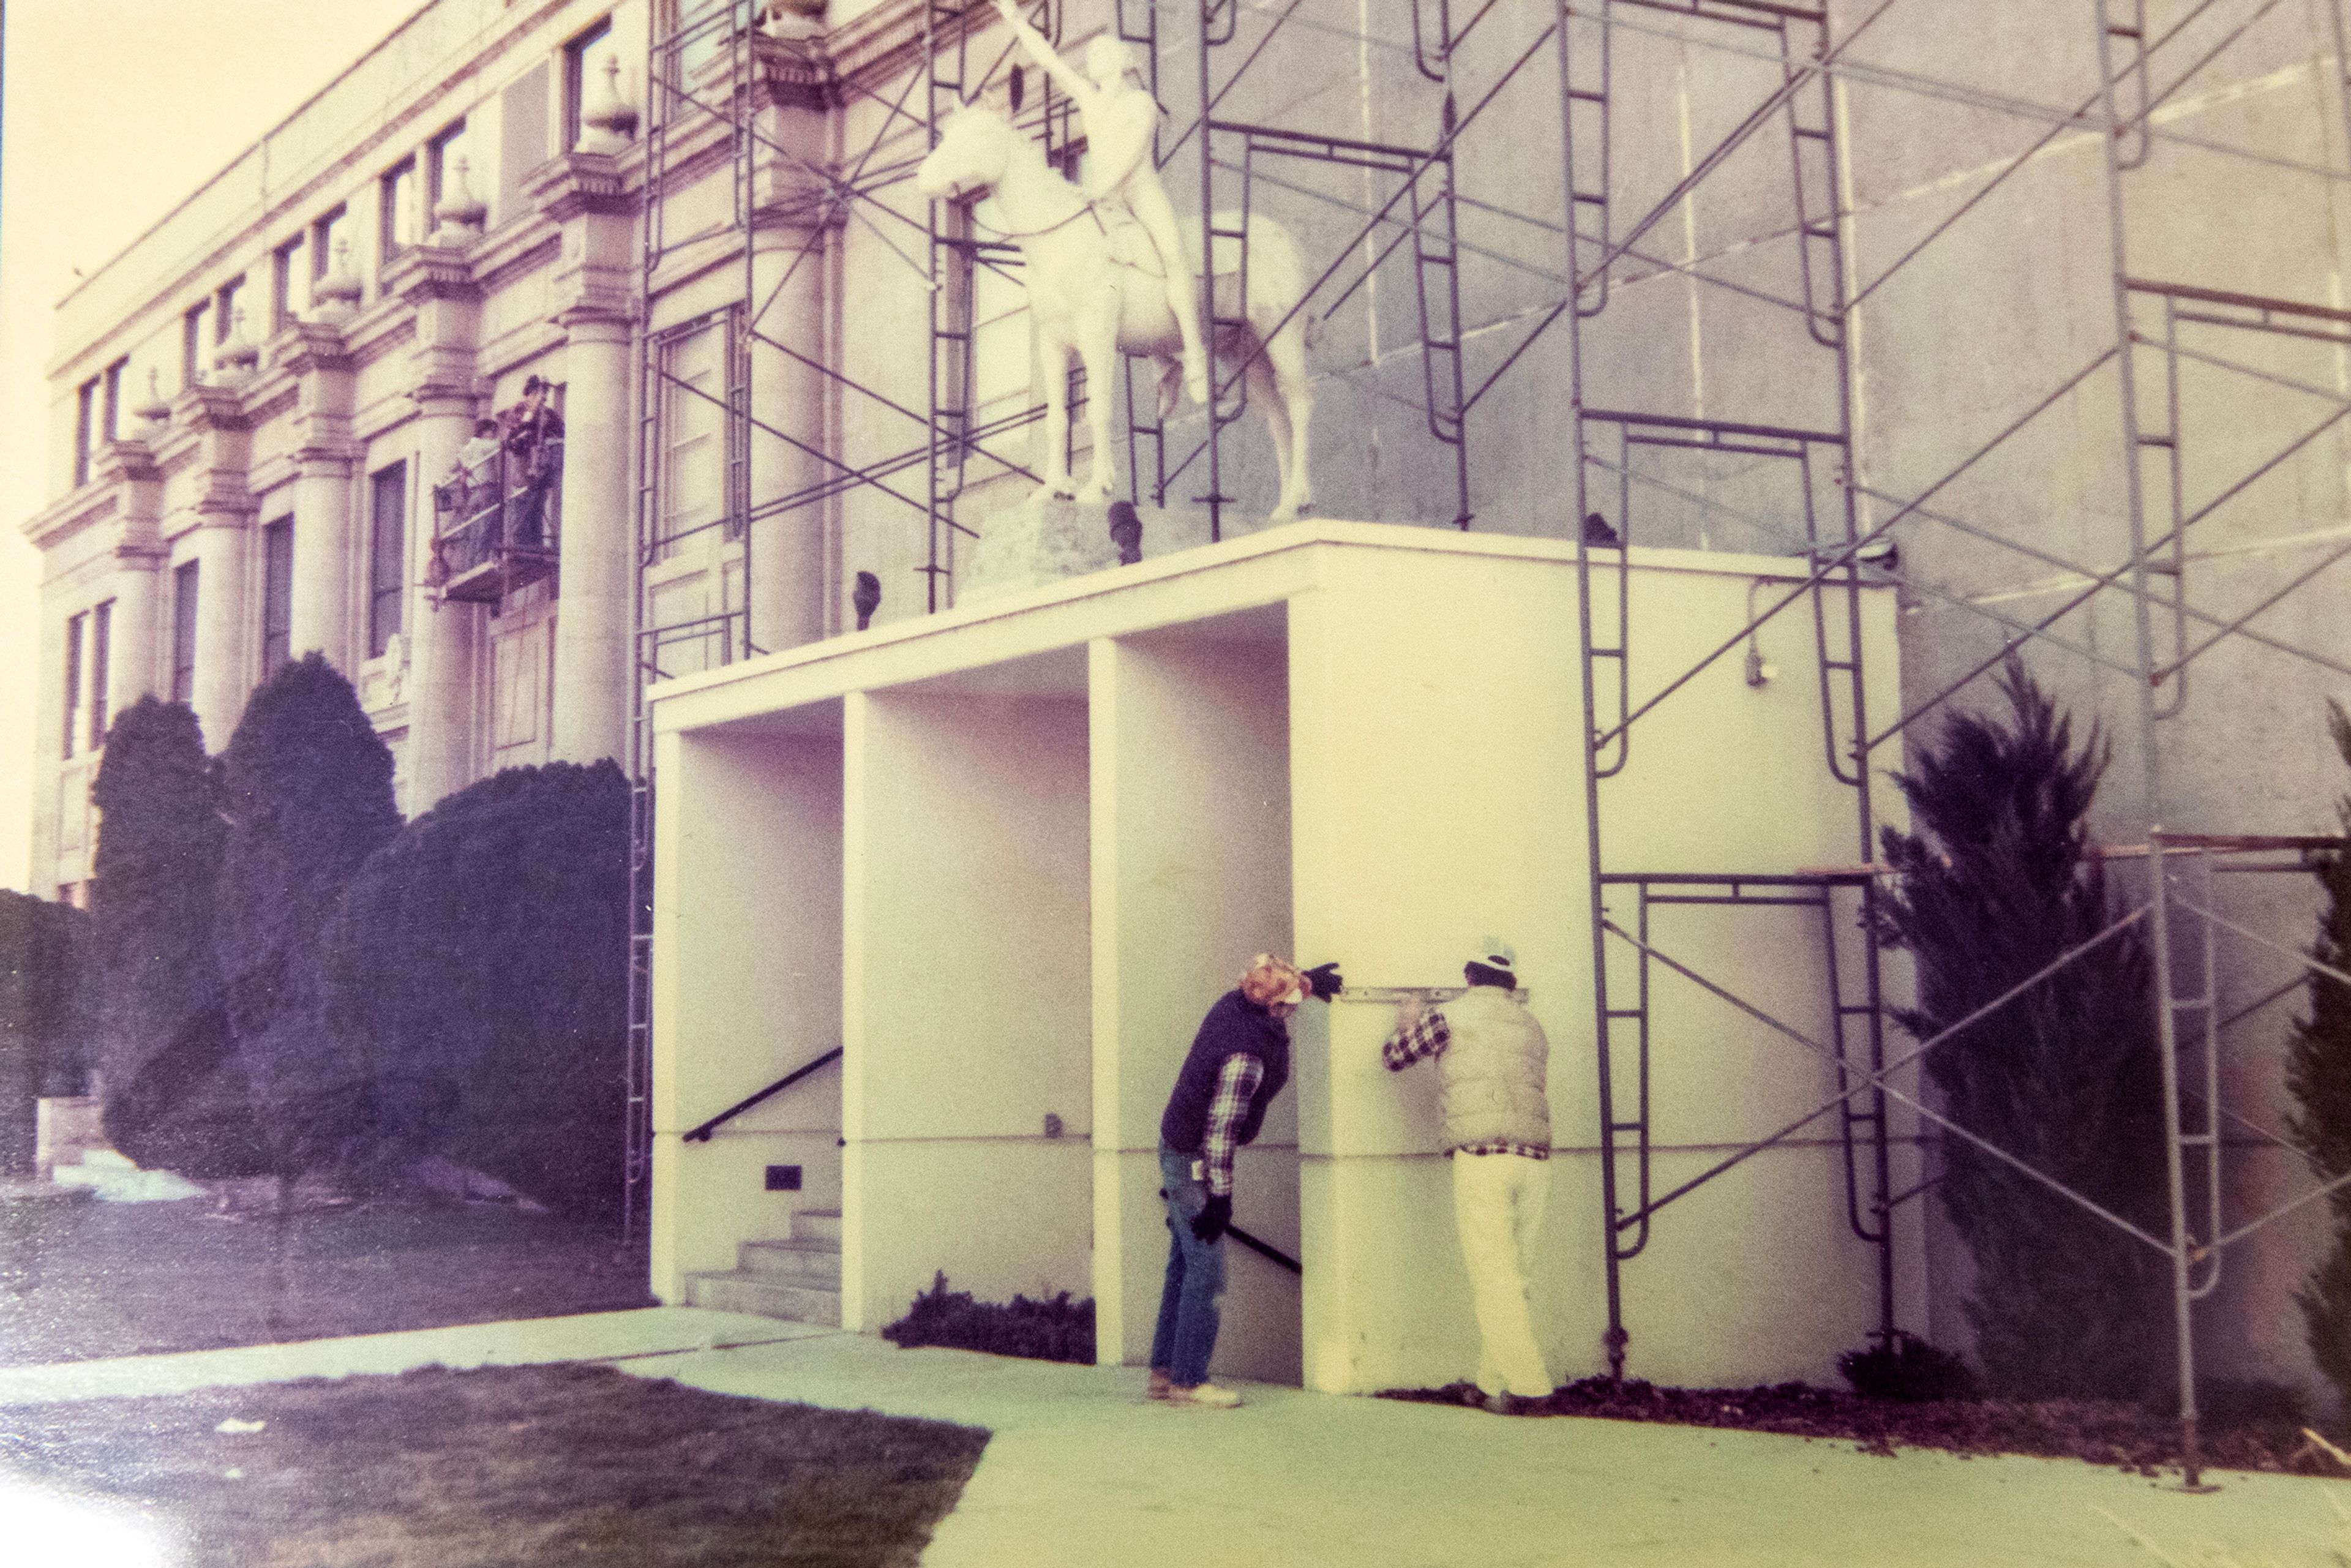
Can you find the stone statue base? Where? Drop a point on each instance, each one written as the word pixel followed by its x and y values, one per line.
pixel 1042 541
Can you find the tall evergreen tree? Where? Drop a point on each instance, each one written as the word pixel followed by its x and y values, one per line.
pixel 2318 1071
pixel 309 789
pixel 2067 1077
pixel 175 1095
pixel 482 958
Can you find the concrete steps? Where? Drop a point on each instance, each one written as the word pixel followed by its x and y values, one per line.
pixel 796 1279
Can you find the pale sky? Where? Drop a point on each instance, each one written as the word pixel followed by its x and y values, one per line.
pixel 110 111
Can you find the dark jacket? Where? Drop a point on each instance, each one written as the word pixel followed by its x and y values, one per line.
pixel 1234 1027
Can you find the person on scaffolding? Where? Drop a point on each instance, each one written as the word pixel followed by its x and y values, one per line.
pixel 1239 1062
pixel 1120 118
pixel 1492 1058
pixel 532 426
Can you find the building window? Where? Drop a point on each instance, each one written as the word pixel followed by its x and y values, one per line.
pixel 73 678
pixel 102 634
pixel 86 415
pixel 193 344
pixel 398 223
pixel 113 421
pixel 289 285
pixel 441 155
pixel 387 556
pixel 577 63
pixel 695 384
pixel 225 309
pixel 323 236
pixel 183 632
pixel 276 595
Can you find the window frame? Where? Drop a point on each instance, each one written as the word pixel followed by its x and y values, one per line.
pixel 113 377
pixel 575 78
pixel 437 150
pixel 322 243
pixel 387 575
pixel 101 639
pixel 76 625
pixel 85 430
pixel 192 342
pixel 390 246
pixel 283 270
pixel 276 595
pixel 225 309
pixel 187 589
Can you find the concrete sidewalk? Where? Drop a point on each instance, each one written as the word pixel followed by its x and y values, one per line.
pixel 1083 1472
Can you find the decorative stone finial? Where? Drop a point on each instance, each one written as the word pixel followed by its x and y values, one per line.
pixel 460 216
pixel 238 355
pixel 795 20
pixel 154 413
pixel 607 120
pixel 337 293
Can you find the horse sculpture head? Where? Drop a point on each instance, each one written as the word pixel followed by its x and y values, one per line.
pixel 970 157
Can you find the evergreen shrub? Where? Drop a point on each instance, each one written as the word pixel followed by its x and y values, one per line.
pixel 309 789
pixel 2318 1073
pixel 175 1095
pixel 43 1021
pixel 1055 1329
pixel 1910 1369
pixel 480 962
pixel 1997 885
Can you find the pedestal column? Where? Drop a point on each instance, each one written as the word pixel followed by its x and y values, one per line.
pixel 131 666
pixel 596 556
pixel 440 751
pixel 322 558
pixel 221 679
pixel 788 548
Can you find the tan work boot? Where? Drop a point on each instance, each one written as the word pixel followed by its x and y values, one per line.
pixel 1206 1395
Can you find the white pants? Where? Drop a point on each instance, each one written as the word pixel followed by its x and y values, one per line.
pixel 1497 1202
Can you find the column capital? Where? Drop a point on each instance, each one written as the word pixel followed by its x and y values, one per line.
pixel 326 454
pixel 308 347
pixel 578 185
pixel 596 317
pixel 120 461
pixel 206 407
pixel 791 71
pixel 423 273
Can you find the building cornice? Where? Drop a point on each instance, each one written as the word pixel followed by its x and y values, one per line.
pixel 69 514
pixel 309 348
pixel 124 462
pixel 424 273
pixel 209 406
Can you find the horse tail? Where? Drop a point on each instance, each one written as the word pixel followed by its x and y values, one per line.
pixel 1311 322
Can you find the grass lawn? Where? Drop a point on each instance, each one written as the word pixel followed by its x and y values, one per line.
pixel 512 1466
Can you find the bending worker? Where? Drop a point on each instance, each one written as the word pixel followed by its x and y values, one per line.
pixel 1237 1063
pixel 1491 1056
pixel 1119 116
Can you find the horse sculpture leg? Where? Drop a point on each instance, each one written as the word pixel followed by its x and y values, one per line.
pixel 1265 394
pixel 1285 357
pixel 1098 348
pixel 1054 356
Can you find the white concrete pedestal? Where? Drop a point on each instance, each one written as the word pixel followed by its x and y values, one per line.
pixel 1042 541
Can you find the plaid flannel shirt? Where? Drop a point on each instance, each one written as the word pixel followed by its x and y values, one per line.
pixel 1227 1111
pixel 1426 1037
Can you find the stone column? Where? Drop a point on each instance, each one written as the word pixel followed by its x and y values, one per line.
pixel 130 668
pixel 788 547
pixel 595 283
pixel 593 617
pixel 444 634
pixel 435 282
pixel 322 611
pixel 223 680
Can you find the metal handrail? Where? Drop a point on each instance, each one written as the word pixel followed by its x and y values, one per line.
pixel 702 1135
pixel 1265 1250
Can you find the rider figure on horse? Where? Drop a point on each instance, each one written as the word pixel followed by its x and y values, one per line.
pixel 1120 116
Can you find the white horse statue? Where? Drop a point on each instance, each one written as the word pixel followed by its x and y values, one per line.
pixel 1087 296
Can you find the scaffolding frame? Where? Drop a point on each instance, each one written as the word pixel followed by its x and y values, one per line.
pixel 1842 543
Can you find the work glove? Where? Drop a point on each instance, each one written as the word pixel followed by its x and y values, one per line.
pixel 1210 1222
pixel 1325 981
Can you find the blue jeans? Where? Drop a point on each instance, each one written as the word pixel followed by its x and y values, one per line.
pixel 1186 1334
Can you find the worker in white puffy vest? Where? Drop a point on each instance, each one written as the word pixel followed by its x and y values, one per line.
pixel 1491 1056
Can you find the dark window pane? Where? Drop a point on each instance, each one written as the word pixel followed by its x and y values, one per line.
pixel 582 56
pixel 387 557
pixel 276 595
pixel 101 629
pixel 73 678
pixel 184 632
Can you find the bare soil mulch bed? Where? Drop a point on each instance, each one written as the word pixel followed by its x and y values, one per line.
pixel 133 1279
pixel 571 1464
pixel 2095 1431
